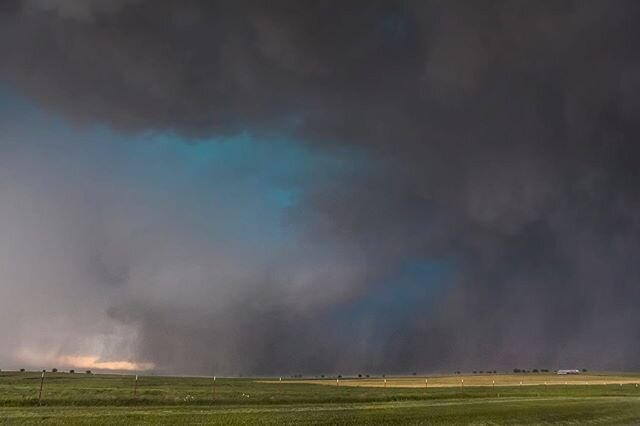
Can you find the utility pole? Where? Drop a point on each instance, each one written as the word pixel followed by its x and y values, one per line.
pixel 135 386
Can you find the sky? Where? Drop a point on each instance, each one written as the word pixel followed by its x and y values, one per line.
pixel 301 187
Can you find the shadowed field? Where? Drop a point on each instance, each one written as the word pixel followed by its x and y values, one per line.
pixel 79 399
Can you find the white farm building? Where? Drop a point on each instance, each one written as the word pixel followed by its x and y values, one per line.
pixel 568 372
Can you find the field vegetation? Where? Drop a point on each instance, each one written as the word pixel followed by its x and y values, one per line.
pixel 96 399
pixel 519 379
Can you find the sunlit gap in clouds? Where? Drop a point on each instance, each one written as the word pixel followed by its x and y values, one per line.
pixel 88 361
pixel 39 359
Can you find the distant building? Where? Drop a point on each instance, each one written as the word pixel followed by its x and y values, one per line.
pixel 568 372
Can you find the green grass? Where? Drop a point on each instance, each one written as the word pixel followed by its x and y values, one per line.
pixel 81 399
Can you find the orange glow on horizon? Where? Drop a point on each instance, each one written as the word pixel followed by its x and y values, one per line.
pixel 49 360
pixel 87 361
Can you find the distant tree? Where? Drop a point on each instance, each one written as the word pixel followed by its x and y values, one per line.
pixel 367 376
pixel 72 371
pixel 22 370
pixel 88 371
pixel 545 370
pixel 458 372
pixel 516 370
pixel 339 376
pixel 54 370
pixel 359 376
pixel 322 375
pixel 474 371
pixel 413 374
pixel 584 370
pixel 535 370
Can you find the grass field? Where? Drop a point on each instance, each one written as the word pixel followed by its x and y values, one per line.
pixel 528 379
pixel 79 399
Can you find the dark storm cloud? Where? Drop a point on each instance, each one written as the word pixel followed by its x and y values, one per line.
pixel 503 135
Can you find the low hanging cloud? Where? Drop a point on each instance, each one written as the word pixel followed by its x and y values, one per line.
pixel 496 139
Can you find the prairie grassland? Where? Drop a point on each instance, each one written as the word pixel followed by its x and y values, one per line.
pixel 80 399
pixel 527 379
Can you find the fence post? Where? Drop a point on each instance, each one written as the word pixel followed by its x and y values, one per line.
pixel 214 388
pixel 41 385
